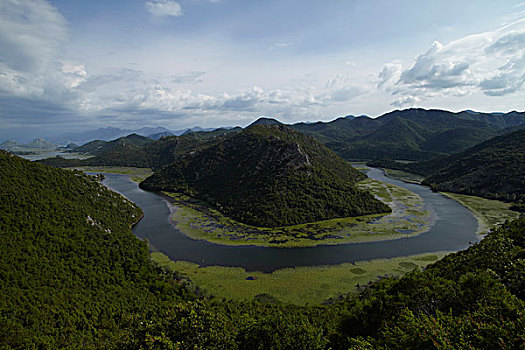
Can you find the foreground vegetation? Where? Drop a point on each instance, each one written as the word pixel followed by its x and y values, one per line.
pixel 299 285
pixel 408 218
pixel 74 276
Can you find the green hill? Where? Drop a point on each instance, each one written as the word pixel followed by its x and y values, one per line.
pixel 72 273
pixel 493 169
pixel 269 175
pixel 411 134
pixel 145 153
pixel 139 151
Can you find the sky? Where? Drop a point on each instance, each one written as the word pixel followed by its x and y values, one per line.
pixel 77 65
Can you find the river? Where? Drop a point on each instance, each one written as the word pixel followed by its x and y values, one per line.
pixel 454 228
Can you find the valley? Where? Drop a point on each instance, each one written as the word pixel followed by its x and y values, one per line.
pixel 379 239
pixel 262 175
pixel 296 284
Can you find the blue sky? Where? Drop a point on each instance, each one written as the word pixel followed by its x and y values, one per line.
pixel 76 65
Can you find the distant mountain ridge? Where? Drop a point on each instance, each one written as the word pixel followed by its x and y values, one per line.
pixel 38 143
pixel 411 134
pixel 104 134
pixel 111 133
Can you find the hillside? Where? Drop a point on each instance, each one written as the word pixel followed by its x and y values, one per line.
pixel 71 271
pixel 132 151
pixel 411 134
pixel 269 175
pixel 9 144
pixel 139 151
pixel 493 169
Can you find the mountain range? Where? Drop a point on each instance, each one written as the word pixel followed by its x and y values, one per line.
pixel 466 152
pixel 111 133
pixel 412 134
pixel 492 169
pixel 38 143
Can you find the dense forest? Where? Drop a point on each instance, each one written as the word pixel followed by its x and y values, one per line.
pixel 492 169
pixel 412 134
pixel 74 276
pixel 269 175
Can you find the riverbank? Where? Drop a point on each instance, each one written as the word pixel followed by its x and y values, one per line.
pixel 135 174
pixel 408 218
pixel 490 213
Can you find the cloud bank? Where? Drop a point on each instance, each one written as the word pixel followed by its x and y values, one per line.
pixel 492 63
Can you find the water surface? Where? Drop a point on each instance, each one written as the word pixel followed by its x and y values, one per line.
pixel 454 228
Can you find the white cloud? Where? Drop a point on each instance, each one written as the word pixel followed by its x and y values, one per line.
pixel 341 89
pixel 278 46
pixel 164 8
pixel 391 73
pixel 32 35
pixel 492 63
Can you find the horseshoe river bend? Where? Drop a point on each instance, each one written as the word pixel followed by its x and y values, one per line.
pixel 453 229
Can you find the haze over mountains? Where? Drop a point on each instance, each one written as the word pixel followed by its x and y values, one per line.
pixel 411 134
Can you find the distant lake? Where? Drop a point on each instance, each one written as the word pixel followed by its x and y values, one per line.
pixel 454 227
pixel 36 154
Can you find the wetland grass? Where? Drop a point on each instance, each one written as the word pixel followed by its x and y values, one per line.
pixel 298 285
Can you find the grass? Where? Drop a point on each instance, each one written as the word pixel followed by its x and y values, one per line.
pixel 404 176
pixel 299 285
pixel 136 174
pixel 408 218
pixel 489 213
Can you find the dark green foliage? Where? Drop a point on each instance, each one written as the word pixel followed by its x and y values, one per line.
pixel 269 175
pixel 135 151
pixel 471 299
pixel 412 134
pixel 70 269
pixel 492 169
pixel 520 207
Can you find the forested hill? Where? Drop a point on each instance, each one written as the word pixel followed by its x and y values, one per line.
pixel 134 151
pixel 411 134
pixel 269 175
pixel 71 272
pixel 492 169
